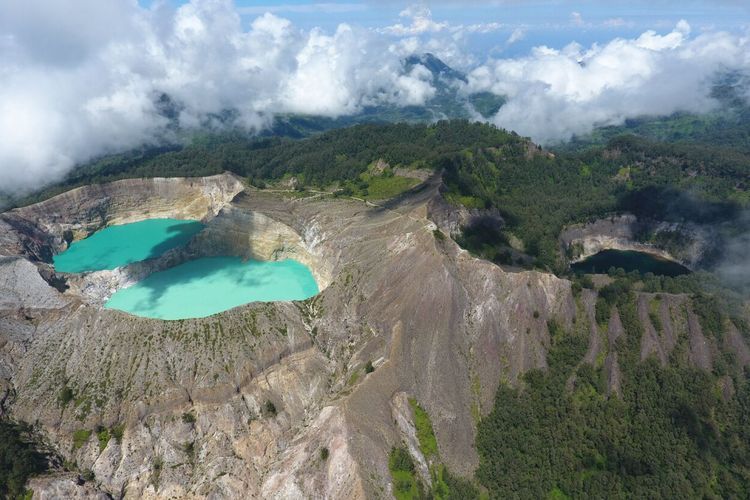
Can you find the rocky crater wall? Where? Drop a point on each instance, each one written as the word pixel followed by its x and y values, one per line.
pixel 688 244
pixel 253 235
pixel 235 231
pixel 41 230
pixel 48 227
pixel 241 404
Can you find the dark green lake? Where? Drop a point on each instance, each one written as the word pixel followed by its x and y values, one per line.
pixel 629 261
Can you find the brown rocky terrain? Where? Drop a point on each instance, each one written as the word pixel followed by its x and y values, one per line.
pixel 240 405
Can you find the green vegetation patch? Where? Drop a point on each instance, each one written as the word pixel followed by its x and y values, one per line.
pixel 654 314
pixel 156 468
pixel 369 368
pixel 406 485
pixel 20 459
pixel 117 432
pixel 708 310
pixel 378 187
pixel 65 396
pixel 465 200
pixel 446 486
pixel 269 408
pixel 80 437
pixel 425 433
pixel 103 436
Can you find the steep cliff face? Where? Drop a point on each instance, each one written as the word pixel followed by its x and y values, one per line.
pixel 251 234
pixel 244 402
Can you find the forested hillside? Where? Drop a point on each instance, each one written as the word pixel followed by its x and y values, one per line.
pixel 539 194
pixel 319 161
pixel 669 435
pixel 20 459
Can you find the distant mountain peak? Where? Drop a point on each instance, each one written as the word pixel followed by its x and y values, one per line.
pixel 435 65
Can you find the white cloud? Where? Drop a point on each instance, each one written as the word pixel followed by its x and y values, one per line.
pixel 577 19
pixel 555 94
pixel 78 83
pixel 421 22
pixel 416 87
pixel 447 41
pixel 517 35
pixel 97 95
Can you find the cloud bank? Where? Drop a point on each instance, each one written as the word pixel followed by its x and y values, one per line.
pixel 74 85
pixel 82 82
pixel 555 94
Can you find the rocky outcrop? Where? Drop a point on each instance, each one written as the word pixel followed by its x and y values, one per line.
pixel 68 486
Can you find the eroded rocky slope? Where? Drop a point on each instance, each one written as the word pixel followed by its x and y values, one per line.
pixel 242 403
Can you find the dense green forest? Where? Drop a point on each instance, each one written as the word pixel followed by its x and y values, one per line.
pixel 672 433
pixel 20 459
pixel 318 161
pixel 538 194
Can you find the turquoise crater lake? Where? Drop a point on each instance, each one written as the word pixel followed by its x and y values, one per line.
pixel 118 246
pixel 208 286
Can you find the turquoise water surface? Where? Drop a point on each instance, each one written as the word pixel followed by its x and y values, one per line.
pixel 207 286
pixel 117 246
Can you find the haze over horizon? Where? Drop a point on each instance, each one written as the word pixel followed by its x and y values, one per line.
pixel 76 83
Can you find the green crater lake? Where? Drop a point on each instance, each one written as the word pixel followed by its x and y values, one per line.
pixel 208 286
pixel 629 261
pixel 118 246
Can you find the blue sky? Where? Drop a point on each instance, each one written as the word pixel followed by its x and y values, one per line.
pixel 644 14
pixel 545 22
